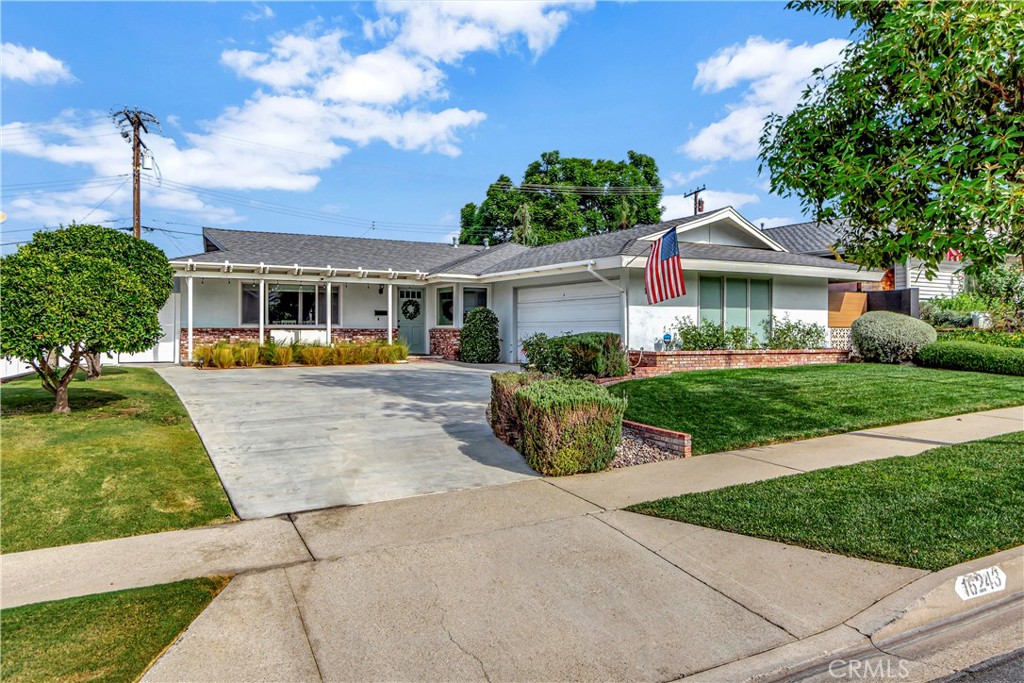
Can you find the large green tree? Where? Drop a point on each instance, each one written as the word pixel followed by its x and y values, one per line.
pixel 562 198
pixel 916 136
pixel 77 290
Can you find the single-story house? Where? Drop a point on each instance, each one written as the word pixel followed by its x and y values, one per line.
pixel 816 239
pixel 249 285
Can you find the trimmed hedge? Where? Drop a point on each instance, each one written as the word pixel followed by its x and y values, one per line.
pixel 974 356
pixel 887 337
pixel 588 354
pixel 1013 340
pixel 568 426
pixel 504 420
pixel 479 337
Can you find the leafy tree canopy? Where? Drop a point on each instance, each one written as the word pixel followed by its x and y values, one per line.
pixel 78 289
pixel 565 198
pixel 916 136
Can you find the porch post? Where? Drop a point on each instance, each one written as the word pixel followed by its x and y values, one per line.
pixel 189 285
pixel 263 307
pixel 390 316
pixel 328 300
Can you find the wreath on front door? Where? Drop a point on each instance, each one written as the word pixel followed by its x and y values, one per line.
pixel 411 309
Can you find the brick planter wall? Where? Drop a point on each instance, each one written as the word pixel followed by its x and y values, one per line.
pixel 361 335
pixel 238 335
pixel 675 442
pixel 444 342
pixel 664 362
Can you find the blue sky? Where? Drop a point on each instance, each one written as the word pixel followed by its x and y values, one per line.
pixel 383 119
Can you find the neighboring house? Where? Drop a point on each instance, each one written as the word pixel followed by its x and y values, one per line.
pixel 250 285
pixel 817 239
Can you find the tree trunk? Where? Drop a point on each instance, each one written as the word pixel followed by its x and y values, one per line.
pixel 93 364
pixel 61 404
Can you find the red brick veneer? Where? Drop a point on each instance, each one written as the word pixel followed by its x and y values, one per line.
pixel 444 342
pixel 664 362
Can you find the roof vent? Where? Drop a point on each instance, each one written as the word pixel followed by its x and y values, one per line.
pixel 455 242
pixel 762 225
pixel 487 244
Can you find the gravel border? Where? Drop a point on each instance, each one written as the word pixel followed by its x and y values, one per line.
pixel 635 451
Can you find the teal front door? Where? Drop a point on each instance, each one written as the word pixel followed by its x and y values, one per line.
pixel 411 313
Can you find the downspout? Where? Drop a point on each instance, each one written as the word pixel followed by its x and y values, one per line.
pixel 624 296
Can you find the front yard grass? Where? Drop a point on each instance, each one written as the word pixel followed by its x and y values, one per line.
pixel 729 409
pixel 930 511
pixel 106 637
pixel 126 461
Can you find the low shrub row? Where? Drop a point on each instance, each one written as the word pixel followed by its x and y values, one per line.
pixel 973 356
pixel 561 426
pixel 1013 340
pixel 887 337
pixel 588 354
pixel 776 333
pixel 250 354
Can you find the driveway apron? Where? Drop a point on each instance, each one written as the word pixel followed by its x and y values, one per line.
pixel 291 439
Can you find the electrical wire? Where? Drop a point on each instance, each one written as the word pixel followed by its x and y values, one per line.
pixel 104 200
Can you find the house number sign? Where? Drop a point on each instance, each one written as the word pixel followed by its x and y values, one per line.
pixel 977 584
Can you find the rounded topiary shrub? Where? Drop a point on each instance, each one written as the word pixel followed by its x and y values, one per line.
pixel 479 337
pixel 886 337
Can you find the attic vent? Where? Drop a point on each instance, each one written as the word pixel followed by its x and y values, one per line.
pixel 455 242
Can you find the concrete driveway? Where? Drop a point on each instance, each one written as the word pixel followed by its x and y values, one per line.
pixel 291 439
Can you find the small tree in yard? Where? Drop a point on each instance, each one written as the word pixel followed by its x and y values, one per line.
pixel 916 136
pixel 78 290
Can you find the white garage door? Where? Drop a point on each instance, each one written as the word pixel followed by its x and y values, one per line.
pixel 565 309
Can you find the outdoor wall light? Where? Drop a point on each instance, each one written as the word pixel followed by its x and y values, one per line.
pixel 380 290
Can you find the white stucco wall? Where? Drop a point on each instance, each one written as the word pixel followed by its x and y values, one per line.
pixel 803 299
pixel 721 233
pixel 359 303
pixel 215 303
pixel 648 323
pixel 503 307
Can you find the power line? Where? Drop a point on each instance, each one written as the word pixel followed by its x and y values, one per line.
pixel 582 190
pixel 104 200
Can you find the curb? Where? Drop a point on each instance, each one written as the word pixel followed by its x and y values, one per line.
pixel 925 606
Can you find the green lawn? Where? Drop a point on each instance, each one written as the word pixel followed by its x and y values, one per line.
pixel 107 637
pixel 126 461
pixel 930 511
pixel 728 409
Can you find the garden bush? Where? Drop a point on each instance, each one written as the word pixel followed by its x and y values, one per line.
pixel 887 337
pixel 588 354
pixel 941 317
pixel 568 426
pixel 702 336
pixel 504 386
pixel 316 355
pixel 203 355
pixel 248 355
pixel 783 333
pixel 479 338
pixel 974 356
pixel 1014 340
pixel 283 355
pixel 223 357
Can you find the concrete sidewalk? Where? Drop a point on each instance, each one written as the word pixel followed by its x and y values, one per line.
pixel 542 579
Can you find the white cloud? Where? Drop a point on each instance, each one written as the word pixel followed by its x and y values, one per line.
pixel 314 100
pixel 445 31
pixel 678 179
pixel 259 12
pixel 772 222
pixel 678 206
pixel 32 66
pixel 775 74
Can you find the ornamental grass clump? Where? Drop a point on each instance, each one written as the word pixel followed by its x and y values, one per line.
pixel 504 420
pixel 283 355
pixel 316 354
pixel 223 357
pixel 203 355
pixel 568 426
pixel 248 355
pixel 886 337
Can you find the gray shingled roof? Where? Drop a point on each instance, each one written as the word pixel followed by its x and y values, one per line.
pixel 318 251
pixel 808 238
pixel 282 249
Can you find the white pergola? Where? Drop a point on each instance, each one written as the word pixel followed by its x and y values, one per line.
pixel 262 272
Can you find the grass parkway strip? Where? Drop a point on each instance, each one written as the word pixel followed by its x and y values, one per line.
pixel 930 511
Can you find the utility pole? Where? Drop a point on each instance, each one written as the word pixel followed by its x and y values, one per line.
pixel 135 120
pixel 698 204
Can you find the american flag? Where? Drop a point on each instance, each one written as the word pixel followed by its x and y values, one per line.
pixel 954 255
pixel 663 276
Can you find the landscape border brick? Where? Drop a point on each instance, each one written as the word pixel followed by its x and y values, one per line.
pixel 652 363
